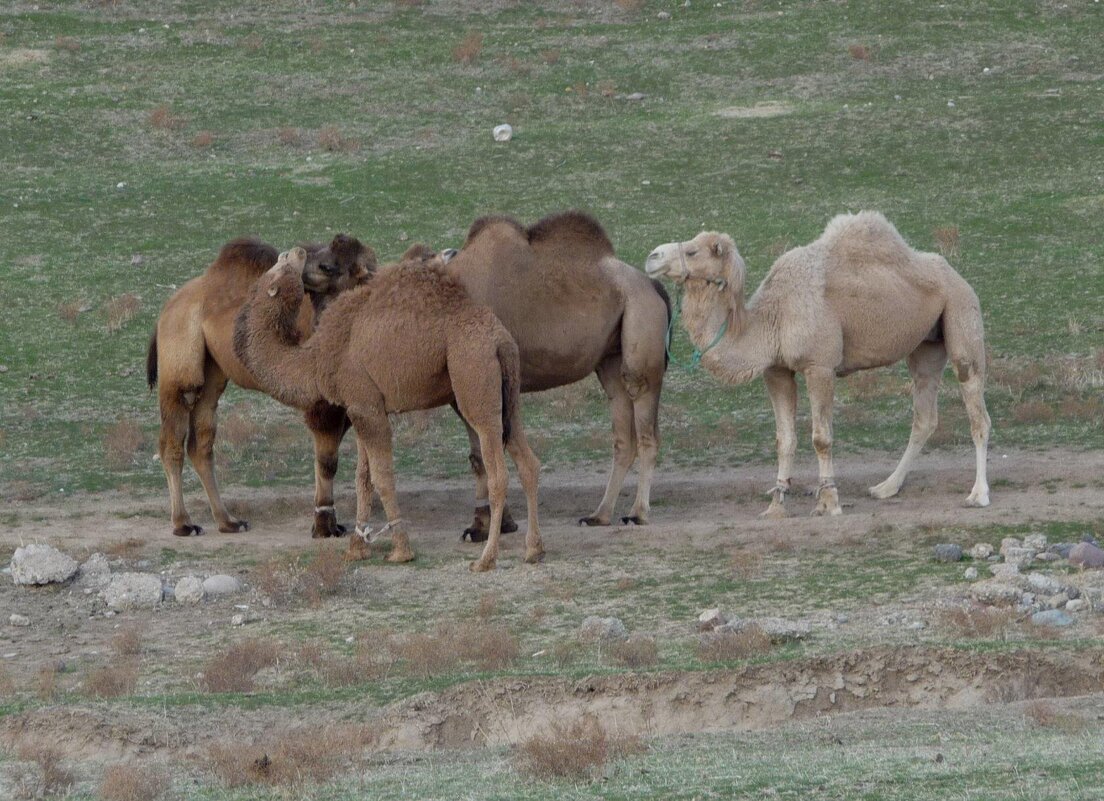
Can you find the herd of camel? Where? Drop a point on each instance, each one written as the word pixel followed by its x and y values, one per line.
pixel 522 309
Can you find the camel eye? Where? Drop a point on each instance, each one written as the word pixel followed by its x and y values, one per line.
pixel 691 253
pixel 329 269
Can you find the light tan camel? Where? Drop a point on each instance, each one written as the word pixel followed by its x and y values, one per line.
pixel 574 309
pixel 858 297
pixel 191 353
pixel 408 339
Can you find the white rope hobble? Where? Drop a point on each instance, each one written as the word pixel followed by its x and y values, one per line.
pixel 364 531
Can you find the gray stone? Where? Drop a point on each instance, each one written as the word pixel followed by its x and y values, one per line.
pixel 1047 556
pixel 237 620
pixel 19 620
pixel 948 552
pixel 970 574
pixel 782 630
pixel 1058 601
pixel 189 590
pixel 1004 571
pixel 1019 556
pixel 1084 554
pixel 132 591
pixel 602 628
pixel 711 619
pixel 1061 548
pixel 993 591
pixel 95 572
pixel 1051 617
pixel 1035 541
pixel 221 585
pixel 1045 584
pixel 1010 542
pixel 981 550
pixel 39 563
pixel 1076 605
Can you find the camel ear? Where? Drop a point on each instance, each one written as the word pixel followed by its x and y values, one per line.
pixel 297 258
pixel 719 248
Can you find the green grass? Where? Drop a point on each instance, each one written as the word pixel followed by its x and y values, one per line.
pixel 1014 164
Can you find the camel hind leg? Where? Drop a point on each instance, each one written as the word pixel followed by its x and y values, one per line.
pixel 373 432
pixel 477 531
pixel 964 335
pixel 820 383
pixel 327 425
pixel 201 446
pixel 175 424
pixel 624 439
pixel 925 365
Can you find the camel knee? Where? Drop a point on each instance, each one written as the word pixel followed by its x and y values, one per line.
pixel 635 383
pixel 822 443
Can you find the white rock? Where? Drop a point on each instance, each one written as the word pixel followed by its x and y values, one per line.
pixel 1005 571
pixel 19 620
pixel 237 620
pixel 1045 583
pixel 602 628
pixel 1035 541
pixel 663 15
pixel 993 591
pixel 221 584
pixel 782 630
pixel 711 619
pixel 981 550
pixel 971 573
pixel 132 591
pixel 39 563
pixel 1010 542
pixel 189 590
pixel 95 572
pixel 1076 605
pixel 503 133
pixel 1019 556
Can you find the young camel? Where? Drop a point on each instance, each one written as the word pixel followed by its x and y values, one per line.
pixel 410 338
pixel 191 353
pixel 574 309
pixel 857 298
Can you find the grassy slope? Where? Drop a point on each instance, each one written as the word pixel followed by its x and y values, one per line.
pixel 1015 164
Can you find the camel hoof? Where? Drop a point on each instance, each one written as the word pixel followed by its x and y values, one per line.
pixel 634 520
pixel 399 557
pixel 234 527
pixel 977 501
pixel 326 525
pixel 592 521
pixel 883 491
pixel 358 550
pixel 188 530
pixel 476 534
pixel 535 557
pixel 508 527
pixel 479 566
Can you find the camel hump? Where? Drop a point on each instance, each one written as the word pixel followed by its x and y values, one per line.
pixel 865 238
pixel 246 253
pixel 576 227
pixel 492 220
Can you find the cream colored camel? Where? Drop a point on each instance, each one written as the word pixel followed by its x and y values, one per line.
pixel 191 354
pixel 574 309
pixel 408 339
pixel 858 297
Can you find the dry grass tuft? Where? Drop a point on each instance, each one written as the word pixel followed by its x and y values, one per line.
pixel 566 652
pixel 125 548
pixel 332 140
pixel 629 5
pixel 1045 715
pixel 625 584
pixel 122 442
pixel 234 669
pixel 746 565
pixel 46 681
pixel 488 605
pixel 311 754
pixel 859 52
pixel 578 750
pixel 47 778
pixel 1017 378
pixel 128 642
pixel 978 622
pixel 253 42
pixel 70 311
pixel 67 43
pixel 121 310
pixel 550 57
pixel 133 783
pixel 284 578
pixel 728 646
pixel 946 239
pixel 7 685
pixel 443 651
pixel 1033 412
pixel 635 652
pixel 203 140
pixel 467 52
pixel 290 136
pixel 112 681
pixel 163 119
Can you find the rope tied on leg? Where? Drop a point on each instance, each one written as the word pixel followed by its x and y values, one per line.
pixel 365 532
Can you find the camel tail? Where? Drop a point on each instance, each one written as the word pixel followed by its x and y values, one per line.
pixel 666 302
pixel 151 361
pixel 510 366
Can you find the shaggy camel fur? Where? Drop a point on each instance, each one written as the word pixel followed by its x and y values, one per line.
pixel 409 339
pixel 574 309
pixel 191 353
pixel 858 297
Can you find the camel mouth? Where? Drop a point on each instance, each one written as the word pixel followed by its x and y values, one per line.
pixel 657 265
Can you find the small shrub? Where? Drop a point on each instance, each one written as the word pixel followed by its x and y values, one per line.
pixel 284 578
pixel 488 604
pixel 133 783
pixel 111 681
pixel 946 239
pixel 290 136
pixel 322 576
pixel 858 52
pixel 978 622
pixel 629 5
pixel 625 584
pixel 70 311
pixel 48 777
pixel 1033 412
pixel 235 669
pixel 121 310
pixel 310 754
pixel 467 52
pixel 163 119
pixel 253 42
pixel 125 548
pixel 7 685
pixel 46 681
pixel 67 43
pixel 566 653
pixel 122 443
pixel 128 642
pixel 746 565
pixel 238 428
pixel 729 646
pixel 331 139
pixel 578 750
pixel 635 652
pixel 550 57
pixel 203 140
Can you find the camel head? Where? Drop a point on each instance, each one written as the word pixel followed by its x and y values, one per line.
pixel 284 280
pixel 709 257
pixel 343 264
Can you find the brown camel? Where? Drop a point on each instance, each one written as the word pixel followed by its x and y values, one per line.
pixel 191 353
pixel 574 309
pixel 857 298
pixel 409 339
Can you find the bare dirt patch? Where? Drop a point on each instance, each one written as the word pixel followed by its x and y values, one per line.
pixel 758 111
pixel 19 57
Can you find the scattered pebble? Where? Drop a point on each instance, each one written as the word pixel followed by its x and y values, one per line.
pixel 237 620
pixel 132 591
pixel 971 573
pixel 19 620
pixel 136 260
pixel 1035 541
pixel 711 619
pixel 503 133
pixel 663 15
pixel 3 368
pixel 1052 617
pixel 981 550
pixel 1076 604
pixel 948 552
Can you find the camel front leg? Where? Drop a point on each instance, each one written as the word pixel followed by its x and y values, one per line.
pixel 973 394
pixel 327 425
pixel 477 531
pixel 646 429
pixel 201 448
pixel 490 439
pixel 821 386
pixel 782 389
pixel 926 367
pixel 359 546
pixel 374 435
pixel 528 471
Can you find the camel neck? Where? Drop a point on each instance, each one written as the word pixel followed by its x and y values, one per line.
pixel 722 329
pixel 268 338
